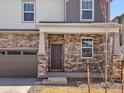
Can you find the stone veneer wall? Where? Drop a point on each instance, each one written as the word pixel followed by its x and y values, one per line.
pixel 72 51
pixel 73 60
pixel 42 66
pixel 19 40
pixel 24 40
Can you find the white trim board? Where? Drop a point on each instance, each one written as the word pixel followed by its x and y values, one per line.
pixel 78 27
pixel 77 30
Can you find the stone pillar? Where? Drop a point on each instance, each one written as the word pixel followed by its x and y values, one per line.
pixel 42 57
pixel 42 66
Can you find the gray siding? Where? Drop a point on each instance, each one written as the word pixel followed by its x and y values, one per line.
pixel 73 11
pixel 99 13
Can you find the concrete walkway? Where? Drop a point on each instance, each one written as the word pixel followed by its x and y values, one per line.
pixel 16 85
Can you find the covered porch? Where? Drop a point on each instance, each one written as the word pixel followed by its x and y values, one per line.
pixel 61 46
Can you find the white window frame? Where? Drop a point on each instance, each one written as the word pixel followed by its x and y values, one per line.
pixel 87 47
pixel 34 12
pixel 93 7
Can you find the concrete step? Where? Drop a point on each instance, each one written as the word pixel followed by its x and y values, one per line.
pixel 56 81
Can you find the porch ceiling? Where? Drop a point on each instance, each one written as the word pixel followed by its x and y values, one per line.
pixel 78 27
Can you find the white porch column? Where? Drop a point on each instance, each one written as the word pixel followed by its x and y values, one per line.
pixel 41 43
pixel 42 57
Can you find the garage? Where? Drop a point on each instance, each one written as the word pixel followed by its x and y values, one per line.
pixel 18 63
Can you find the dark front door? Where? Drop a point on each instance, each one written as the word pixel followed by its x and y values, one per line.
pixel 56 57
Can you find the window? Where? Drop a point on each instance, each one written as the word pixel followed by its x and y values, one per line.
pixel 2 53
pixel 87 10
pixel 87 48
pixel 14 52
pixel 29 52
pixel 29 11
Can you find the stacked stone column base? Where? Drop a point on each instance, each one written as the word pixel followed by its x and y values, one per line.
pixel 42 66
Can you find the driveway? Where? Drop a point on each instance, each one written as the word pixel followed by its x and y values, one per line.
pixel 16 85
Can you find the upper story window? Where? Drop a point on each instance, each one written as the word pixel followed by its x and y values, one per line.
pixel 28 11
pixel 87 48
pixel 87 10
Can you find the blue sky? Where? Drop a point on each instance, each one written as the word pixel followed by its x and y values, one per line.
pixel 117 8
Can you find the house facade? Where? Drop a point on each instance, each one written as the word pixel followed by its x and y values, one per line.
pixel 42 36
pixel 120 20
